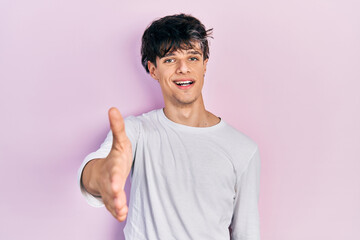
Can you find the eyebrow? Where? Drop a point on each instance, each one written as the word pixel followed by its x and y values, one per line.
pixel 169 54
pixel 195 52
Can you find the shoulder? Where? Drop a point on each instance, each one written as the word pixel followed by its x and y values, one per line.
pixel 240 147
pixel 143 121
pixel 140 125
pixel 147 117
pixel 238 140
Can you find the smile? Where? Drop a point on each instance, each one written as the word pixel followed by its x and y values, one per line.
pixel 184 83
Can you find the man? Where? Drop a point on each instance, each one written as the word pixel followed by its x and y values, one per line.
pixel 193 176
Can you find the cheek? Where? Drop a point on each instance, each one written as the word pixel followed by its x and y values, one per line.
pixel 165 75
pixel 200 71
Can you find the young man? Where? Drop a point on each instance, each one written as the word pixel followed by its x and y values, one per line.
pixel 193 176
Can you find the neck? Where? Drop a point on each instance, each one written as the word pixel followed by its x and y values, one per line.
pixel 193 115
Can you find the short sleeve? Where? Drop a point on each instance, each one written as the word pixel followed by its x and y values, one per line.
pixel 245 224
pixel 132 131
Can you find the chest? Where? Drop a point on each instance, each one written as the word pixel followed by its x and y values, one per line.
pixel 187 162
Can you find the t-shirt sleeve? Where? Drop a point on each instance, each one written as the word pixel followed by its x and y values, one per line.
pixel 245 223
pixel 132 131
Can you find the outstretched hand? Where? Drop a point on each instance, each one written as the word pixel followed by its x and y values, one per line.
pixel 115 168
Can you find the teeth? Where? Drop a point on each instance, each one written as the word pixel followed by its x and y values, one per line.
pixel 184 83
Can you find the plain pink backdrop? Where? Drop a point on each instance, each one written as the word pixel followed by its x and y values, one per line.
pixel 286 73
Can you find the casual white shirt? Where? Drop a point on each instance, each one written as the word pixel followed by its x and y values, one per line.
pixel 188 182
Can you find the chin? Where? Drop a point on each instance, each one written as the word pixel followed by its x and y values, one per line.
pixel 185 102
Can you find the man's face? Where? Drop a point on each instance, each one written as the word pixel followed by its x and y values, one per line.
pixel 181 75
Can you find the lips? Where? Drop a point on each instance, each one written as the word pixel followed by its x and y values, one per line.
pixel 184 83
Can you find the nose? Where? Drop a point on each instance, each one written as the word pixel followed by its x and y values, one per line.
pixel 183 67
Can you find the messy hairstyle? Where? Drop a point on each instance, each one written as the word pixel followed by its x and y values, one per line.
pixel 171 33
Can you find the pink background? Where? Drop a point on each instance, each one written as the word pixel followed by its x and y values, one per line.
pixel 285 73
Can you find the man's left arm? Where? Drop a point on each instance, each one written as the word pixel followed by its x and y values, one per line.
pixel 245 223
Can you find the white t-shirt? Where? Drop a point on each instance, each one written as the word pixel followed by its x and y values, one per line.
pixel 188 182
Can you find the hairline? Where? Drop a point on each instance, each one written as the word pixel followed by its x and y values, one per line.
pixel 188 51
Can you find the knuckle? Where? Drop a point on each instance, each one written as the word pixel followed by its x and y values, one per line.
pixel 124 211
pixel 122 218
pixel 116 211
pixel 114 187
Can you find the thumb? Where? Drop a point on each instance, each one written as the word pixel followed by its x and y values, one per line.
pixel 117 126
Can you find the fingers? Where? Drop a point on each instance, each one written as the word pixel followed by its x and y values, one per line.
pixel 117 126
pixel 117 206
pixel 117 181
pixel 121 207
pixel 113 195
pixel 116 168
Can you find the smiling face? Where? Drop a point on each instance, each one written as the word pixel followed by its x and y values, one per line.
pixel 181 76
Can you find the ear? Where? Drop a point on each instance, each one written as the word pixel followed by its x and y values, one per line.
pixel 205 64
pixel 152 70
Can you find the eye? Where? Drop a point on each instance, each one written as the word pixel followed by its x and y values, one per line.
pixel 169 60
pixel 193 59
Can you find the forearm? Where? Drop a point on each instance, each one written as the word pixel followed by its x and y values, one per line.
pixel 90 176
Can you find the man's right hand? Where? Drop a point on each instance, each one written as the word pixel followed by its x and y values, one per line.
pixel 106 177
